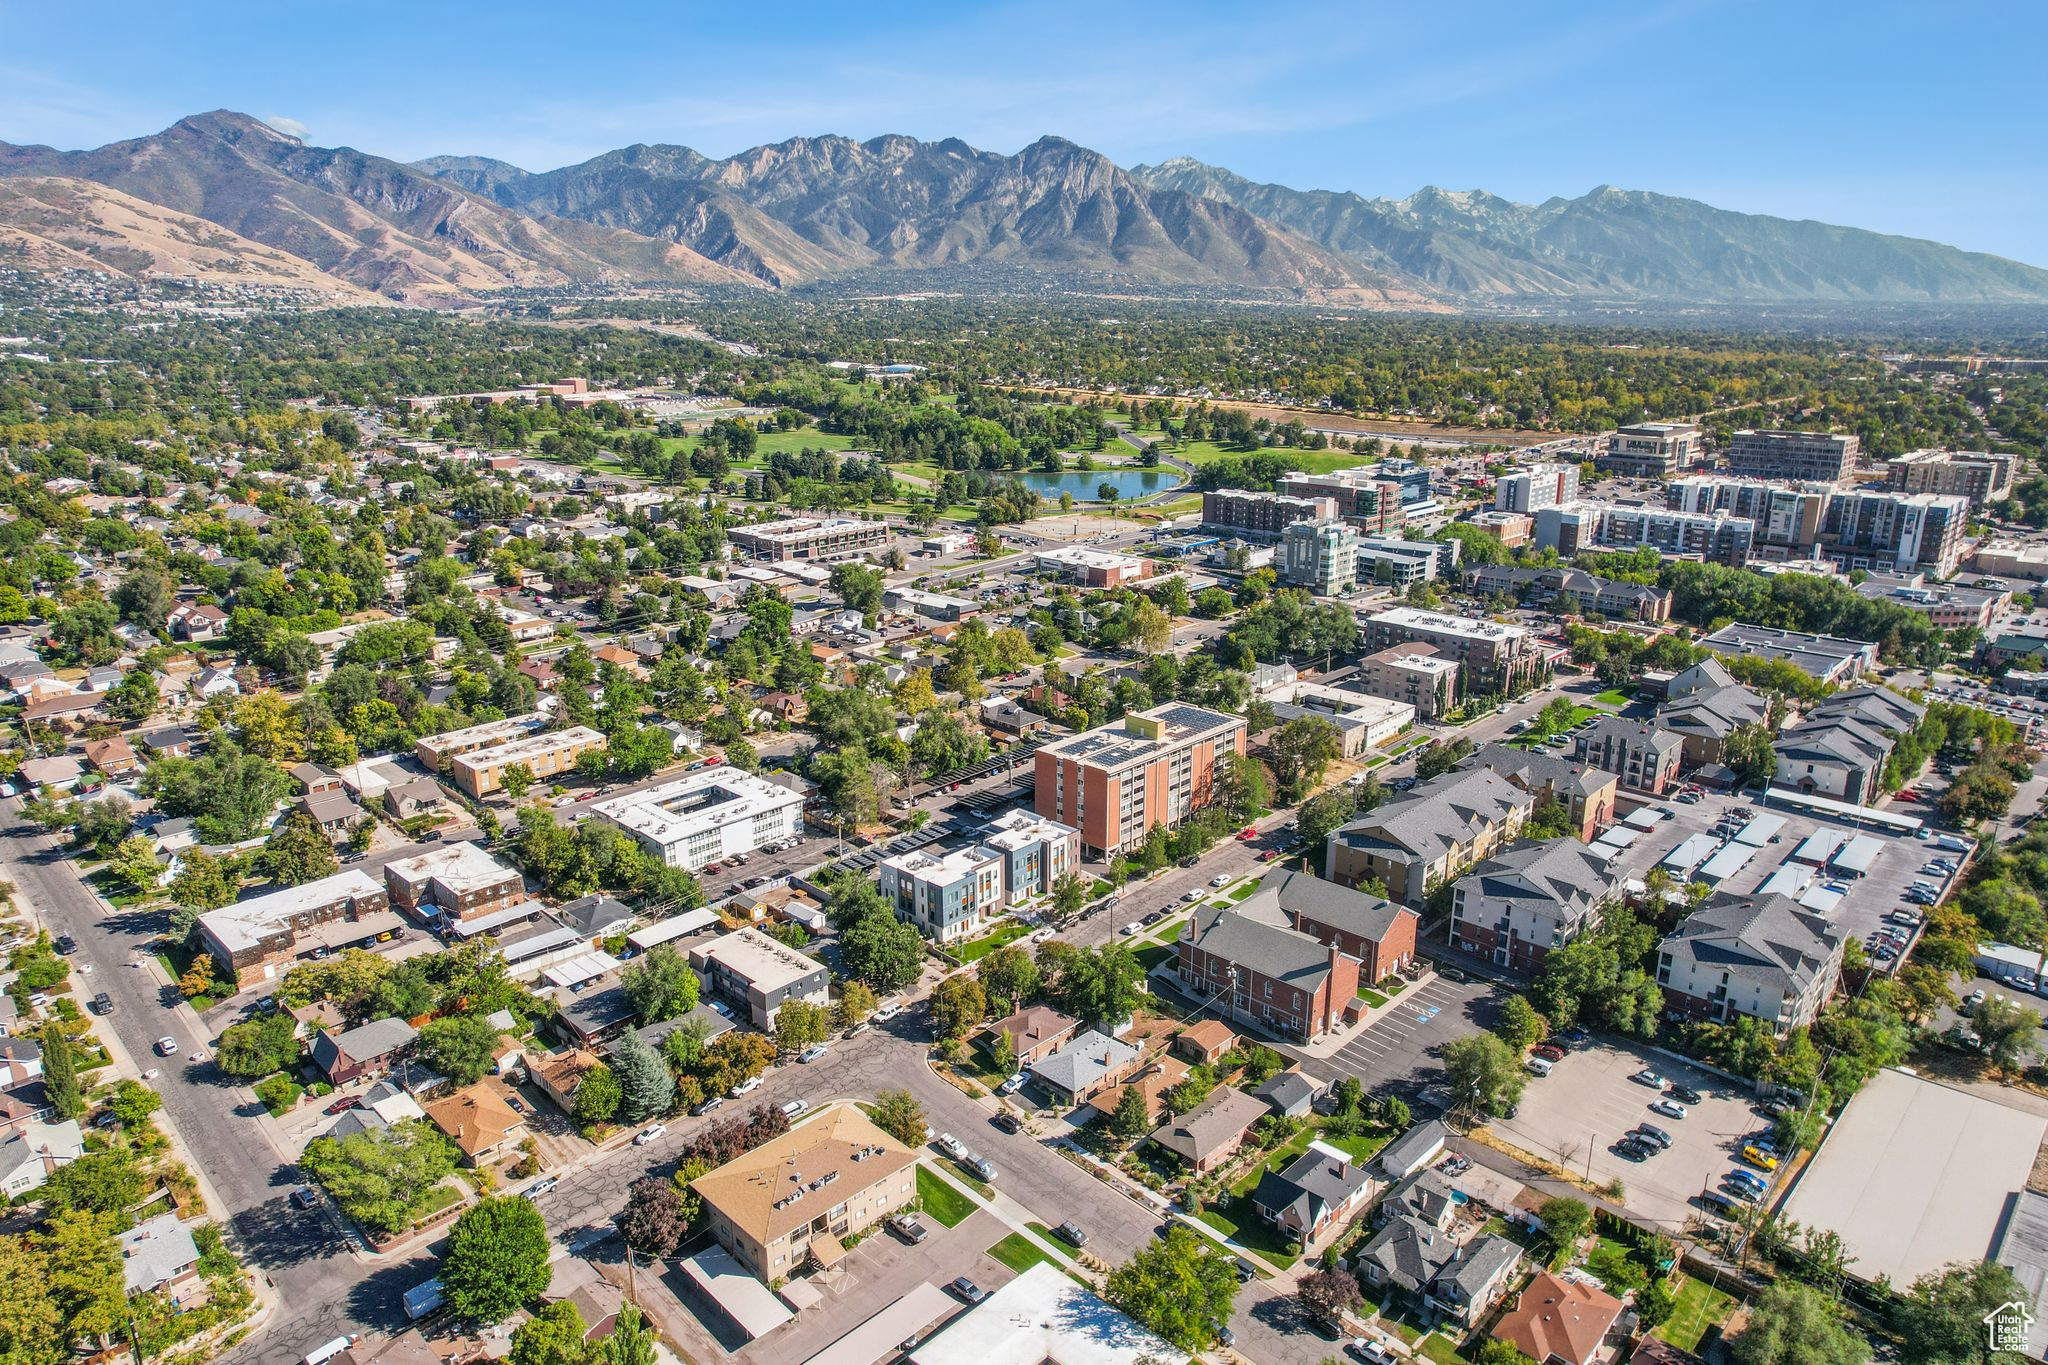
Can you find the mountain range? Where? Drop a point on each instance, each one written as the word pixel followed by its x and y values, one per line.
pixel 451 228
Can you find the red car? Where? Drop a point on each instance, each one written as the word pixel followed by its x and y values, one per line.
pixel 1549 1052
pixel 713 761
pixel 1269 855
pixel 344 1104
pixel 1248 833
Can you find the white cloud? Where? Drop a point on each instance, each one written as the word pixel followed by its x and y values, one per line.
pixel 290 127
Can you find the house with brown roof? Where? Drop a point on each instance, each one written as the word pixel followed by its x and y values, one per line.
pixel 1205 1041
pixel 479 1122
pixel 1209 1134
pixel 791 1200
pixel 1035 1032
pixel 559 1075
pixel 1558 1321
pixel 112 756
pixel 784 706
pixel 1151 1080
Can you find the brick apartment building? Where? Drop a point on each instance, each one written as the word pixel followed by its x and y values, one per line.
pixel 1115 782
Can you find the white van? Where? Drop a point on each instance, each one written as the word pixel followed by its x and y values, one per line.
pixel 1540 1065
pixel 320 1355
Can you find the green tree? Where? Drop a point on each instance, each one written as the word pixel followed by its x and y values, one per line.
pixel 2008 1030
pixel 631 1341
pixel 459 1046
pixel 552 1336
pixel 1749 752
pixel 1442 756
pixel 1519 1026
pixel 1482 1073
pixel 1132 1117
pixel 1320 815
pixel 1181 1286
pixel 82 1273
pixel 660 985
pixel 203 882
pixel 380 1177
pixel 497 1259
pixel 882 951
pixel 31 1328
pixel 958 1004
pixel 1010 978
pixel 1795 1325
pixel 899 1114
pixel 856 1002
pixel 597 1097
pixel 517 779
pixel 1940 1320
pixel 60 1073
pixel 1069 894
pixel 298 852
pixel 1300 752
pixel 133 1102
pixel 1565 1222
pixel 108 1181
pixel 799 1024
pixel 257 1047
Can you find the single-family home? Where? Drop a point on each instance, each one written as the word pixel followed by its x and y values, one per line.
pixel 1209 1134
pixel 1318 1191
pixel 371 1047
pixel 1035 1032
pixel 1089 1064
pixel 1559 1321
pixel 478 1121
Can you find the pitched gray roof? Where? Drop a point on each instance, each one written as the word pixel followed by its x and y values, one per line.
pixel 1259 945
pixel 1313 1184
pixel 1528 769
pixel 1452 808
pixel 1559 872
pixel 1303 896
pixel 1413 1145
pixel 1763 937
pixel 1084 1061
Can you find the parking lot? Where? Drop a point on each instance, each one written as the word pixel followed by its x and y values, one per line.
pixel 1574 1116
pixel 1865 900
pixel 1395 1053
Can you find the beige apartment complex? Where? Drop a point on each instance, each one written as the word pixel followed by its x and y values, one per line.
pixel 547 754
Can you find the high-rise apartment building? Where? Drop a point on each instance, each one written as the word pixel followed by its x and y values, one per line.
pixel 1653 450
pixel 1495 657
pixel 1800 456
pixel 1786 517
pixel 1115 782
pixel 1535 486
pixel 1262 516
pixel 1880 529
pixel 1978 475
pixel 1715 536
pixel 1321 556
pixel 1365 498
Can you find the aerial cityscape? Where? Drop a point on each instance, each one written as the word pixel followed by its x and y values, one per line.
pixel 1043 708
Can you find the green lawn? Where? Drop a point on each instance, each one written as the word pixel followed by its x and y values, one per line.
pixel 1613 698
pixel 1152 954
pixel 1236 1219
pixel 1441 1349
pixel 1699 1307
pixel 1245 892
pixel 1020 1253
pixel 1372 997
pixel 1311 461
pixel 1007 932
pixel 941 1200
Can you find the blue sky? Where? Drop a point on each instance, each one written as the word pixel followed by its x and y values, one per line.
pixel 1912 118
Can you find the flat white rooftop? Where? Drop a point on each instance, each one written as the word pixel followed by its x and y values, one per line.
pixel 243 924
pixel 745 1299
pixel 765 963
pixel 695 801
pixel 546 742
pixel 1043 1318
pixel 941 868
pixel 1916 1174
pixel 1440 623
pixel 459 867
pixel 1081 557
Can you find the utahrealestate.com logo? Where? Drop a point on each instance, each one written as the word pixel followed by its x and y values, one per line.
pixel 2007 1327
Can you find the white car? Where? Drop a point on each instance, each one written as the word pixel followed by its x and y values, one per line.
pixel 166 1046
pixel 812 1053
pixel 745 1087
pixel 1013 1085
pixel 887 1012
pixel 796 1109
pixel 1220 879
pixel 649 1134
pixel 1131 929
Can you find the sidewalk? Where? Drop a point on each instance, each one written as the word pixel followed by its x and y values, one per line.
pixel 1330 1044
